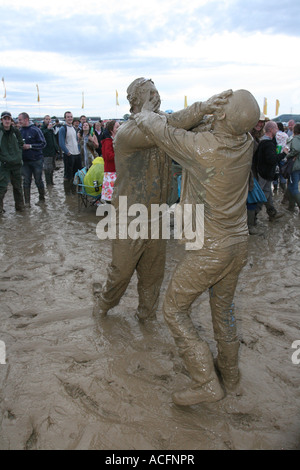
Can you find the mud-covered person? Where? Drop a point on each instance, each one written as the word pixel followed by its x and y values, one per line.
pixel 144 177
pixel 216 167
pixel 11 145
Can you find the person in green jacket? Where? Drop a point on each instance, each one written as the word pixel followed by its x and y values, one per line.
pixel 11 145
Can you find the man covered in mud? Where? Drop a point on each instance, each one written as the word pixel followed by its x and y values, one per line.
pixel 144 177
pixel 216 167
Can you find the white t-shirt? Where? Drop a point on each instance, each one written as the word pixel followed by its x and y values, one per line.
pixel 71 140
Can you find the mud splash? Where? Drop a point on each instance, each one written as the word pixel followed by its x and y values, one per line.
pixel 65 387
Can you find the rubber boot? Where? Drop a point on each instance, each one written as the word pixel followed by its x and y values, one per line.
pixel 1 203
pixel 282 187
pixel 48 178
pixel 19 200
pixel 41 191
pixel 292 201
pixel 251 216
pixel 67 186
pixel 227 364
pixel 273 214
pixel 297 199
pixel 206 388
pixel 27 196
pixel 285 197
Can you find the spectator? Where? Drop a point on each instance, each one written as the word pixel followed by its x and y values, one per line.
pixel 290 129
pixel 11 145
pixel 264 166
pixel 33 157
pixel 281 141
pixel 108 155
pixel 88 145
pixel 99 132
pixel 294 153
pixel 68 141
pixel 50 150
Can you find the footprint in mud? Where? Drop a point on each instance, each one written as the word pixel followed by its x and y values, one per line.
pixel 24 314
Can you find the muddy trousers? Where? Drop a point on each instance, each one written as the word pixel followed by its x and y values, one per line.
pixel 218 271
pixel 11 174
pixel 147 258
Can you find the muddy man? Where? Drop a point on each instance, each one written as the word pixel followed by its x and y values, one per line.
pixel 216 167
pixel 144 177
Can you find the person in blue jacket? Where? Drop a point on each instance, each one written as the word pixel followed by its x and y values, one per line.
pixel 33 157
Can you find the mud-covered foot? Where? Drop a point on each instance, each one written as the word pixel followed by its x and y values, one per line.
pixel 208 393
pixel 98 312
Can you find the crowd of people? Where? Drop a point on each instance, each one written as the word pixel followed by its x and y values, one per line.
pixel 274 144
pixel 229 162
pixel 30 151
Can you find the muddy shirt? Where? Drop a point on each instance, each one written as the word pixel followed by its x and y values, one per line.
pixel 143 170
pixel 215 173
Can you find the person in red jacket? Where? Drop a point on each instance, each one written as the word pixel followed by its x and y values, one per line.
pixel 108 155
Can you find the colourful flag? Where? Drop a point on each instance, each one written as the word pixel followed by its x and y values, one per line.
pixel 4 88
pixel 277 108
pixel 117 98
pixel 265 106
pixel 38 93
pixel 82 105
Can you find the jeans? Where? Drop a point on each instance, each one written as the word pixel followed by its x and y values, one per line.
pixel 33 168
pixel 294 182
pixel 72 163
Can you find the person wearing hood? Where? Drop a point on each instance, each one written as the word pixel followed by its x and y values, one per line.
pixel 33 158
pixel 11 145
pixel 216 167
pixel 50 150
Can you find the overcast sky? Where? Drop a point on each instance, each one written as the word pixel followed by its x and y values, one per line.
pixel 195 49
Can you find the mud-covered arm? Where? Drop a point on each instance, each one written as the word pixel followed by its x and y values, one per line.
pixel 193 115
pixel 186 148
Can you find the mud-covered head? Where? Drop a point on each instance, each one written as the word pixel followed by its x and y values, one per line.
pixel 138 92
pixel 240 114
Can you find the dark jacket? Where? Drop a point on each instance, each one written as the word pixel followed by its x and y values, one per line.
pixel 11 144
pixel 33 136
pixel 51 142
pixel 265 159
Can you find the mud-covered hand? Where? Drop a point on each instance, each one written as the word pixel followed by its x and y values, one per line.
pixel 151 101
pixel 214 103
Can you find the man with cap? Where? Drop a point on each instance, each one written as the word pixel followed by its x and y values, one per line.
pixel 11 145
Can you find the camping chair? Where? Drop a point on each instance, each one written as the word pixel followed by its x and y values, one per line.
pixel 85 198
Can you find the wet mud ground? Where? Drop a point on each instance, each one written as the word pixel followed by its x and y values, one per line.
pixel 64 386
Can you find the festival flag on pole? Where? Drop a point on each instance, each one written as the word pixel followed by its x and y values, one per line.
pixel 277 108
pixel 185 102
pixel 82 105
pixel 4 88
pixel 265 106
pixel 117 98
pixel 38 93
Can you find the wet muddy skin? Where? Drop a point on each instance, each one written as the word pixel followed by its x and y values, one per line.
pixel 65 386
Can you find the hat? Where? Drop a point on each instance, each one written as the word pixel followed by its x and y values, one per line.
pixel 262 117
pixel 5 113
